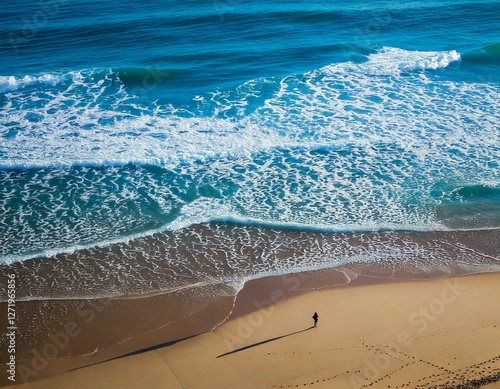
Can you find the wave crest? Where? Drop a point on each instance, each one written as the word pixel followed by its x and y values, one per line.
pixel 12 83
pixel 394 61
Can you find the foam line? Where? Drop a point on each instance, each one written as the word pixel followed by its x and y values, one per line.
pixel 205 258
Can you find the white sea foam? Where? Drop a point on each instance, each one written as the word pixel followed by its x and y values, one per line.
pixel 392 60
pixel 12 83
pixel 195 260
pixel 346 147
pixel 72 127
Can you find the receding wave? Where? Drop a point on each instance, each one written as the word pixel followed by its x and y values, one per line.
pixel 230 254
pixel 70 209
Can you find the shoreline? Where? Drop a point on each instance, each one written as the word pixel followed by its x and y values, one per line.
pixel 260 300
pixel 219 252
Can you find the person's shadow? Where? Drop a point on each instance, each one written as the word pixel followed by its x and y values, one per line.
pixel 263 342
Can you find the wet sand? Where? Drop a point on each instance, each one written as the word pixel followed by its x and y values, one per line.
pixel 97 304
pixel 417 334
pixel 55 336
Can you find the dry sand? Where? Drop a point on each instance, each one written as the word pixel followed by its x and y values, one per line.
pixel 410 334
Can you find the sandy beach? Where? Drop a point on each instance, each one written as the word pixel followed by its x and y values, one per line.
pixel 441 333
pixel 185 186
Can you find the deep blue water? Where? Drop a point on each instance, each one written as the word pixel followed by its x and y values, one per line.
pixel 119 119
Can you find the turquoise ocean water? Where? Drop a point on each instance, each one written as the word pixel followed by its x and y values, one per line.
pixel 125 124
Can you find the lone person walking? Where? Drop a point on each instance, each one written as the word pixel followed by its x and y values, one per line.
pixel 315 318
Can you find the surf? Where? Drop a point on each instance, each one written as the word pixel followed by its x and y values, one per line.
pixel 359 145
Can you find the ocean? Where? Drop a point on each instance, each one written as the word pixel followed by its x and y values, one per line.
pixel 150 147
